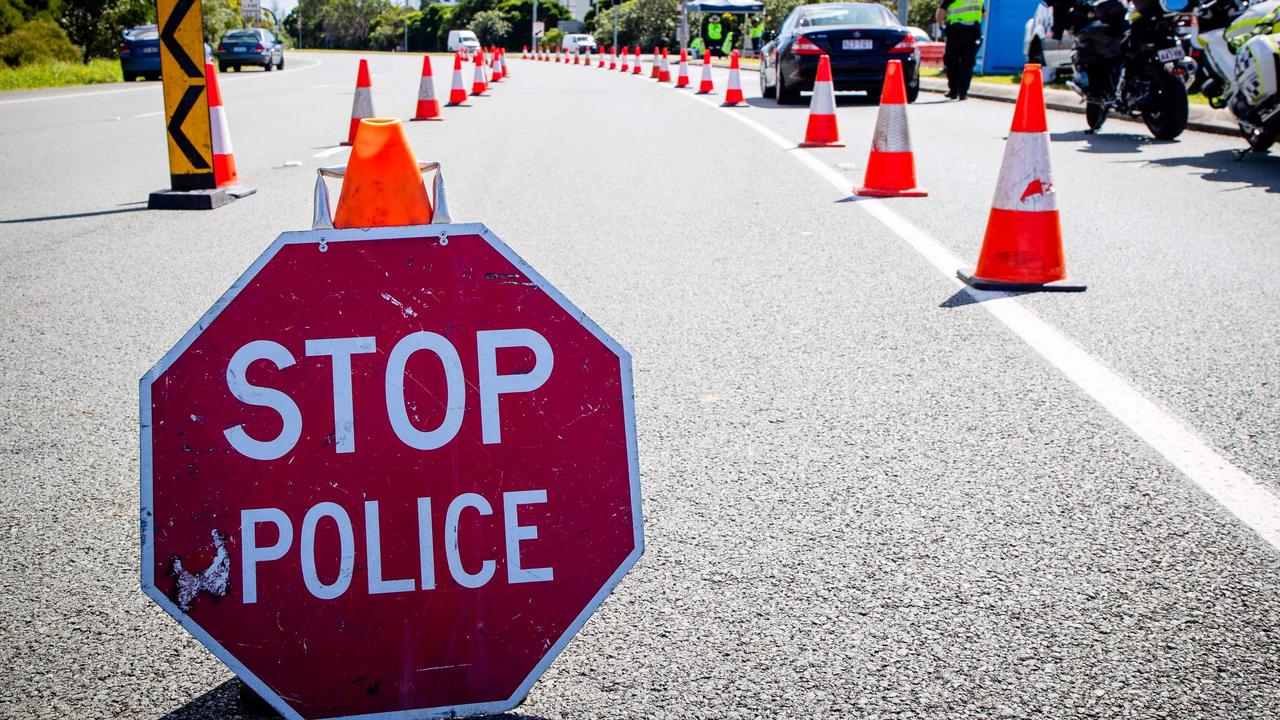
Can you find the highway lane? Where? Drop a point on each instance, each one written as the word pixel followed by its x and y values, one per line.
pixel 863 498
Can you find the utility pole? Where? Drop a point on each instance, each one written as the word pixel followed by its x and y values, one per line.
pixel 902 11
pixel 684 24
pixel 533 26
pixel 615 24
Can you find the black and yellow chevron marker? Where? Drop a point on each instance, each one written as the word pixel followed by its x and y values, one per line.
pixel 186 104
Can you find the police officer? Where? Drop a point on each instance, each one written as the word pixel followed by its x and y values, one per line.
pixel 757 34
pixel 715 34
pixel 963 20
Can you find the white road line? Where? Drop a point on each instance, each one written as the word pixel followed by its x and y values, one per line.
pixel 318 87
pixel 150 114
pixel 1252 503
pixel 314 64
pixel 330 151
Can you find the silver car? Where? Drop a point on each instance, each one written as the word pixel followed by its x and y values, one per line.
pixel 1041 47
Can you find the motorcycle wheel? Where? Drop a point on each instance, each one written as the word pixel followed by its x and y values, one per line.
pixel 1166 110
pixel 1260 141
pixel 1095 113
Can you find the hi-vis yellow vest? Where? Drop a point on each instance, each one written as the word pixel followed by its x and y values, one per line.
pixel 713 31
pixel 964 11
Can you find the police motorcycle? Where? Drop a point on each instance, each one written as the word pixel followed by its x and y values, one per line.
pixel 1135 63
pixel 1241 48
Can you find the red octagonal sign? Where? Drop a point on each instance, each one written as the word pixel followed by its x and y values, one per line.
pixel 390 473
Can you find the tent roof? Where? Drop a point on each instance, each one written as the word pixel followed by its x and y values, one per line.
pixel 723 6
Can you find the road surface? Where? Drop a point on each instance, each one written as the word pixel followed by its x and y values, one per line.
pixel 868 493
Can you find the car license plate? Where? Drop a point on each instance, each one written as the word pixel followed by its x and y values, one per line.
pixel 150 50
pixel 1169 54
pixel 863 44
pixel 240 49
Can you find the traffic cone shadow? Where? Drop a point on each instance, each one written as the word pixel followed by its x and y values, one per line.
pixel 1022 247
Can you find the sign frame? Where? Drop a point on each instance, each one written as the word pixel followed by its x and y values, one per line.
pixel 320 238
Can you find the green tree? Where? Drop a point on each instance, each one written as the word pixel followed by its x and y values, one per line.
pixel 430 29
pixel 312 14
pixel 346 22
pixel 10 17
pixel 491 27
pixel 641 22
pixel 520 14
pixel 83 21
pixel 37 41
pixel 219 17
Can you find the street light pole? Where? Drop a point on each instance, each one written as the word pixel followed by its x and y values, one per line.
pixel 684 24
pixel 615 24
pixel 533 26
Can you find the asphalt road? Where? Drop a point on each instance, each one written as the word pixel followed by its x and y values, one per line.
pixel 867 494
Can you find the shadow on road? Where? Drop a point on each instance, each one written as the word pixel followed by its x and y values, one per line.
pixel 1226 166
pixel 843 100
pixel 140 205
pixel 223 703
pixel 963 297
pixel 1106 143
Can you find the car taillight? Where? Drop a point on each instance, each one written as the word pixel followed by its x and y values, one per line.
pixel 124 48
pixel 222 48
pixel 259 48
pixel 805 46
pixel 906 45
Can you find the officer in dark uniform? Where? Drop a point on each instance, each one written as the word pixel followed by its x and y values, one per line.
pixel 963 20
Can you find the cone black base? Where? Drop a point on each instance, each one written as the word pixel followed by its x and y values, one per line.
pixel 196 199
pixel 1057 286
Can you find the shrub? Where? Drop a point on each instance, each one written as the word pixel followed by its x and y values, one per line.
pixel 37 41
pixel 491 27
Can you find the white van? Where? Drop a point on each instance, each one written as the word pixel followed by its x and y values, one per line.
pixel 463 40
pixel 579 43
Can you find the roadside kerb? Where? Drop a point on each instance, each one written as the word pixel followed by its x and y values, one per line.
pixel 1201 118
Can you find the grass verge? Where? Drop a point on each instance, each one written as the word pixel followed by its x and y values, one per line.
pixel 1016 79
pixel 58 74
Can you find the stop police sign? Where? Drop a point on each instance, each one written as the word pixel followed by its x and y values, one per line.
pixel 390 471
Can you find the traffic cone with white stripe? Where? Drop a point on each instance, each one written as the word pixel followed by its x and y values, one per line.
pixel 664 70
pixel 524 52
pixel 601 64
pixel 626 67
pixel 891 169
pixel 1022 248
pixel 502 63
pixel 361 103
pixel 706 87
pixel 822 130
pixel 613 57
pixel 428 107
pixel 495 67
pixel 733 93
pixel 682 77
pixel 636 69
pixel 479 83
pixel 224 157
pixel 654 69
pixel 458 93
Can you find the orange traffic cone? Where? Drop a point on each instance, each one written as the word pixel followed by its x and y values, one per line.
pixel 1022 248
pixel 458 93
pixel 664 71
pixel 479 83
pixel 613 57
pixel 822 130
pixel 362 103
pixel 682 77
pixel 601 62
pixel 891 170
pixel 428 106
pixel 502 63
pixel 575 57
pixel 382 186
pixel 733 93
pixel 557 54
pixel 706 87
pixel 495 67
pixel 224 157
pixel 654 71
pixel 635 69
pixel 625 66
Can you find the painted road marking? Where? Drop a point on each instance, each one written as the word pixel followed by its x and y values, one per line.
pixel 1251 503
pixel 224 78
pixel 318 87
pixel 330 151
pixel 150 114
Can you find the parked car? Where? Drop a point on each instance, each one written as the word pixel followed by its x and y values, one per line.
pixel 1052 54
pixel 251 46
pixel 579 43
pixel 140 53
pixel 860 39
pixel 463 40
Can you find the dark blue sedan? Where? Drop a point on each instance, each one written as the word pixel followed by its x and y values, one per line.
pixel 251 46
pixel 140 53
pixel 860 39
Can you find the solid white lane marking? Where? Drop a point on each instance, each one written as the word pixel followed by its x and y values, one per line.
pixel 1244 497
pixel 67 96
pixel 321 86
pixel 150 114
pixel 330 151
